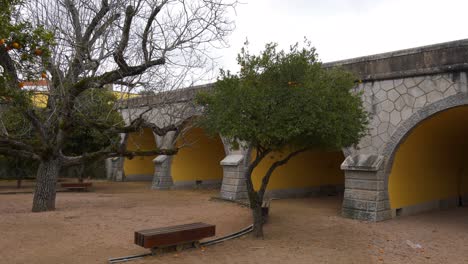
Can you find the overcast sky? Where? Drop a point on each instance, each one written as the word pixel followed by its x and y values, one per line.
pixel 342 29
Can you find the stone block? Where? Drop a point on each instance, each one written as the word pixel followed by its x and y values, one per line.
pixel 234 181
pixel 365 195
pixel 366 205
pixel 387 85
pixel 234 169
pixel 395 117
pixel 434 96
pixel 233 195
pixel 358 214
pixel 406 113
pixel 387 106
pixel 420 102
pixel 393 95
pixel 233 188
pixel 364 184
pixel 399 104
pixel 366 215
pixel 416 92
pixel 363 175
pixel 384 116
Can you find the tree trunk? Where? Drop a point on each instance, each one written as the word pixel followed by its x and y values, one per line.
pixel 46 179
pixel 258 219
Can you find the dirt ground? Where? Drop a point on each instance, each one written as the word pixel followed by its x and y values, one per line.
pixel 94 226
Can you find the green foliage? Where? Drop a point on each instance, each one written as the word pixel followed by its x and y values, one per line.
pixel 285 99
pixel 26 44
pixel 95 107
pixel 17 168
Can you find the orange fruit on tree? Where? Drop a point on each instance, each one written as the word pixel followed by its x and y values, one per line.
pixel 2 41
pixel 38 52
pixel 44 75
pixel 21 84
pixel 15 45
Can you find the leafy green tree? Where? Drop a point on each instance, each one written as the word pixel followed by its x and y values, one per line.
pixel 283 102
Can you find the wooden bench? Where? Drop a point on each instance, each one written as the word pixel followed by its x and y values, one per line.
pixel 179 236
pixel 78 186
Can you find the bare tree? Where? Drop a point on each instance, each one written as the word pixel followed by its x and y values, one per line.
pixel 134 44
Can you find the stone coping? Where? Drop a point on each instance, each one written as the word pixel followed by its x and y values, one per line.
pixel 438 58
pixel 363 162
pixel 232 160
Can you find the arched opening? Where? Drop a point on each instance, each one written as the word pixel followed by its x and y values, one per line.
pixel 430 166
pixel 310 173
pixel 141 167
pixel 198 161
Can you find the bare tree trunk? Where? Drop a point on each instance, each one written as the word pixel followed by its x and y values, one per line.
pixel 258 219
pixel 46 179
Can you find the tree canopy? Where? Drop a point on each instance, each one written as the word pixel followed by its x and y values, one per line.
pixel 283 101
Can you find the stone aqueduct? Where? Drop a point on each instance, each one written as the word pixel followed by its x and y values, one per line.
pixel 414 158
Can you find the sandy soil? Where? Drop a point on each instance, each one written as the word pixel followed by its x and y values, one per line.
pixel 91 227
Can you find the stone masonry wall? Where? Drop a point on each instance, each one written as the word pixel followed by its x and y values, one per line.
pixel 391 102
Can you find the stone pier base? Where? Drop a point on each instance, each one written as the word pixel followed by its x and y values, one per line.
pixel 162 179
pixel 365 196
pixel 233 186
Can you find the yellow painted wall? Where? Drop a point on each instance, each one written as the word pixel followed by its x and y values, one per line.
pixel 200 159
pixel 432 163
pixel 40 98
pixel 143 140
pixel 308 169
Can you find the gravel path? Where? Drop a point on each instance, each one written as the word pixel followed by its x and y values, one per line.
pixel 91 227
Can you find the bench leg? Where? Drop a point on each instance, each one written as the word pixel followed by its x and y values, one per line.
pixel 196 244
pixel 157 251
pixel 180 247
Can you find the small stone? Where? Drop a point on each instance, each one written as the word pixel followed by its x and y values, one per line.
pixel 384 116
pixel 428 86
pixel 399 104
pixel 401 89
pixel 381 96
pixel 450 91
pixel 395 117
pixel 393 95
pixel 443 84
pixel 387 85
pixel 415 91
pixel 406 113
pixel 409 82
pixel 434 96
pixel 387 106
pixel 383 127
pixel 420 102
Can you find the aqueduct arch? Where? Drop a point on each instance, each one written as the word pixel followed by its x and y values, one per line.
pixel 400 90
pixel 427 168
